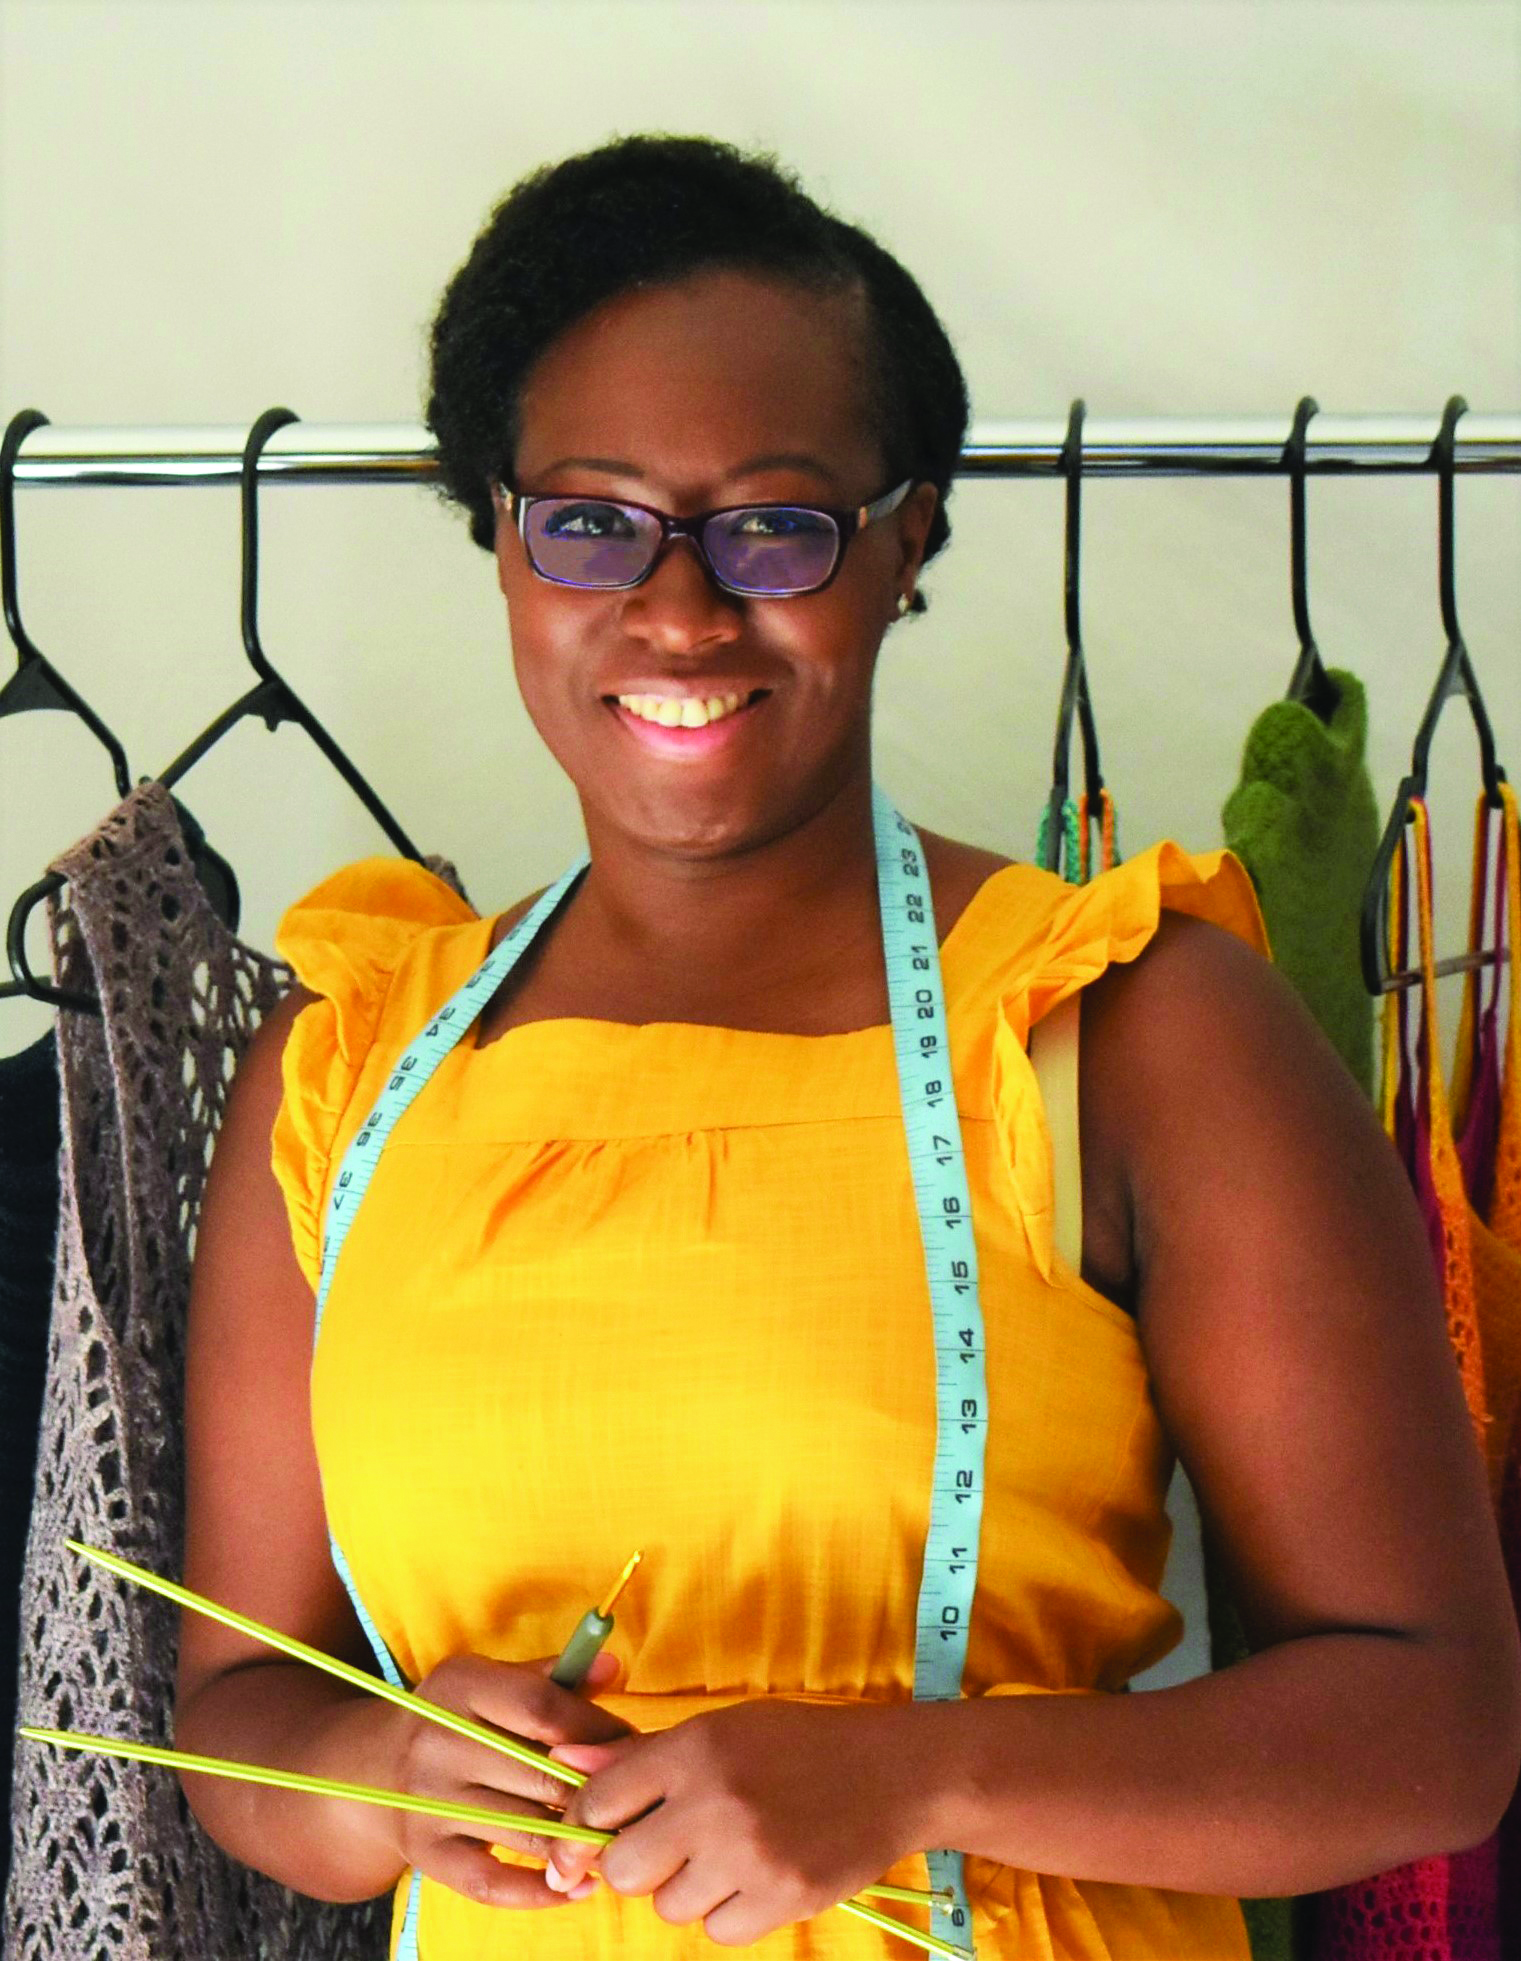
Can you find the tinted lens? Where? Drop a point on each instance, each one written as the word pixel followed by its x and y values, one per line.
pixel 771 549
pixel 587 541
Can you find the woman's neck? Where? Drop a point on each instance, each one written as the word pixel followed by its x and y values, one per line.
pixel 757 920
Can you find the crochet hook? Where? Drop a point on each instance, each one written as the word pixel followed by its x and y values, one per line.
pixel 585 1644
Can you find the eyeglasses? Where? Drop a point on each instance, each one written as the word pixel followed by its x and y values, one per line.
pixel 762 551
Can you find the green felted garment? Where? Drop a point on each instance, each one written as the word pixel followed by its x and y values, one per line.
pixel 1304 822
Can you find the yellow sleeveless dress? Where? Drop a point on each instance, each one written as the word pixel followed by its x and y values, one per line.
pixel 662 1286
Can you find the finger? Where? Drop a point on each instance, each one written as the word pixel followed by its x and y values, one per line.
pixel 737 1921
pixel 529 1843
pixel 465 1866
pixel 522 1700
pixel 644 1856
pixel 592 1756
pixel 604 1671
pixel 438 1765
pixel 616 1793
pixel 688 1896
pixel 569 1862
pixel 624 1780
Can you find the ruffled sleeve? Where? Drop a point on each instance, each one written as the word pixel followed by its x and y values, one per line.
pixel 345 940
pixel 1088 928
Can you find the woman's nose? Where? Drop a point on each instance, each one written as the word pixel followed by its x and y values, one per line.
pixel 680 606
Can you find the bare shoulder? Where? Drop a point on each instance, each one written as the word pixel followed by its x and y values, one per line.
pixel 953 854
pixel 1197 1057
pixel 507 920
pixel 1201 1019
pixel 956 872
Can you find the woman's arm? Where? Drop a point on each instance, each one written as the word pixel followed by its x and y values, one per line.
pixel 256 1540
pixel 1295 1337
pixel 254 1534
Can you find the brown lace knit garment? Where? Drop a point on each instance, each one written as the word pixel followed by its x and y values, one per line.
pixel 107 1860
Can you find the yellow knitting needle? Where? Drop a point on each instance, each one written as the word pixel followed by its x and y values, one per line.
pixel 328 1787
pixel 471 1814
pixel 404 1699
pixel 287 1644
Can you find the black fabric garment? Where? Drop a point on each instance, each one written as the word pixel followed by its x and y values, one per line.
pixel 29 1137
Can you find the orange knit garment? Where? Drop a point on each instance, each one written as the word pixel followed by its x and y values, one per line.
pixel 1446 1173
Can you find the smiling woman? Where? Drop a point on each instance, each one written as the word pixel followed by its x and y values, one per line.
pixel 724 1227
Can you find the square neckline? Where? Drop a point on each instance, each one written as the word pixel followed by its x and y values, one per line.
pixel 470 1041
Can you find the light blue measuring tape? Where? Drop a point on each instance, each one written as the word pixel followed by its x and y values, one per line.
pixel 921 1042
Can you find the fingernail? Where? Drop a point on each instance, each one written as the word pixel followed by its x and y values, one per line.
pixel 580 1756
pixel 555 1879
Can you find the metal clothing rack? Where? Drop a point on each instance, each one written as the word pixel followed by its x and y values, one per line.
pixel 54 457
pixel 1158 446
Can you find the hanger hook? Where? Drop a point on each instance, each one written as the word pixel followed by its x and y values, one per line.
pixel 253 449
pixel 1093 775
pixel 1075 703
pixel 36 683
pixel 1072 466
pixel 1294 457
pixel 1443 455
pixel 17 430
pixel 1309 684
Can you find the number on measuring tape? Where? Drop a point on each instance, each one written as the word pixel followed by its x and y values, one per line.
pixel 943 1200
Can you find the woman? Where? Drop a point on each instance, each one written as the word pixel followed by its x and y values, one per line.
pixel 644 1266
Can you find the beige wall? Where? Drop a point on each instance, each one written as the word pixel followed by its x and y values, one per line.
pixel 209 206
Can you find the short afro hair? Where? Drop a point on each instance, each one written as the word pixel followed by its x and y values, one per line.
pixel 643 211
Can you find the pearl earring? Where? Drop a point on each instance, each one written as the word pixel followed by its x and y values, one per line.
pixel 905 601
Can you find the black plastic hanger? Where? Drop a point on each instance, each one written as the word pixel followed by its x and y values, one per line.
pixel 272 699
pixel 1455 678
pixel 1075 703
pixel 37 684
pixel 1310 683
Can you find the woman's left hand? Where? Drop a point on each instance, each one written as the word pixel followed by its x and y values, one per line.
pixel 750 1817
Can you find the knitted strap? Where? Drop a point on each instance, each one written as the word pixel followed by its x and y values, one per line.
pixel 1446 1172
pixel 1069 863
pixel 1108 852
pixel 1505 1204
pixel 1393 1011
pixel 1474 1006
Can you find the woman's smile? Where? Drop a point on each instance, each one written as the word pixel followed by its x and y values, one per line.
pixel 688 725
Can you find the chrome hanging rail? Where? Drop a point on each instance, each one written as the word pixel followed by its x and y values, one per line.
pixel 1156 446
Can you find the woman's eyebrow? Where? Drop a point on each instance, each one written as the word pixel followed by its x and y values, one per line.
pixel 753 466
pixel 785 459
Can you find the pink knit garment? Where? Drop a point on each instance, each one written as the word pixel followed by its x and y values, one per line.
pixel 1509 1835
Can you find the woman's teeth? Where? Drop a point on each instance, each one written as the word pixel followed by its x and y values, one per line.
pixel 687 712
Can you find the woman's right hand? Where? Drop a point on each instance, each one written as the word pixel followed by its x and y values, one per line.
pixel 430 1761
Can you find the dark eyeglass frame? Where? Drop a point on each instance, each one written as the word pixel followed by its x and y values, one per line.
pixel 846 525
